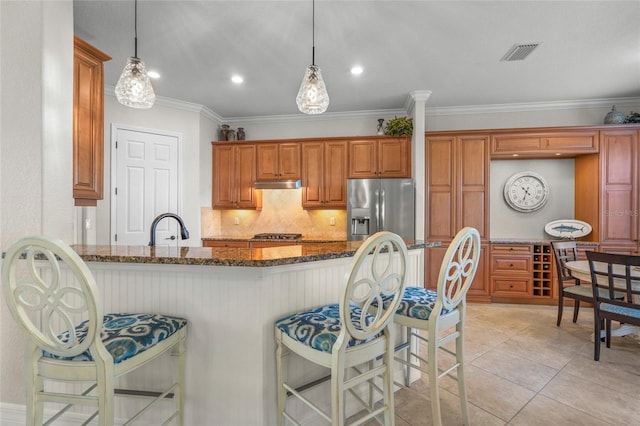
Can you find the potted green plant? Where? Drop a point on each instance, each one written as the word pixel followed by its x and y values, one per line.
pixel 399 126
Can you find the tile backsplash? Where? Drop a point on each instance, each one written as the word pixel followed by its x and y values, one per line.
pixel 281 212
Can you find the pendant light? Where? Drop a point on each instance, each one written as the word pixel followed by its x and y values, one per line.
pixel 134 86
pixel 313 97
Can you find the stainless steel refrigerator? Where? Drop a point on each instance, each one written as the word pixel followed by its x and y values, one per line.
pixel 380 205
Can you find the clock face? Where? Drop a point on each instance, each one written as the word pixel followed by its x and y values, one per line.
pixel 526 191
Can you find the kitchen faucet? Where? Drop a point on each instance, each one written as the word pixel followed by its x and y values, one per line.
pixel 183 229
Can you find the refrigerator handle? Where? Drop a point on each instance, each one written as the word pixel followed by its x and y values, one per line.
pixel 382 210
pixel 377 194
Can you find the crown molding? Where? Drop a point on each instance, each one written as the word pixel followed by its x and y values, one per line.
pixel 414 96
pixel 531 106
pixel 320 117
pixel 176 104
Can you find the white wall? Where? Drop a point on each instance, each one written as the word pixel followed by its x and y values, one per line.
pixel 196 131
pixel 507 223
pixel 36 41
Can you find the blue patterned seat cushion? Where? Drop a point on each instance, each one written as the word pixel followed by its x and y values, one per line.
pixel 319 327
pixel 621 310
pixel 417 302
pixel 126 335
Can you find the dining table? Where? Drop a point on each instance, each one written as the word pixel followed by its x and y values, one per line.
pixel 580 269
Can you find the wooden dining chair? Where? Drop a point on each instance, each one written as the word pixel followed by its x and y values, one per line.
pixel 52 294
pixel 612 274
pixel 569 286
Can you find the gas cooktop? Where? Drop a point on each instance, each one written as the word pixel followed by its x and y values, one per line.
pixel 273 236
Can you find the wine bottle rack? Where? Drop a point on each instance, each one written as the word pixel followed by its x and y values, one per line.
pixel 542 283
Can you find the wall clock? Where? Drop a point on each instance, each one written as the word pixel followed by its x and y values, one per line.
pixel 526 192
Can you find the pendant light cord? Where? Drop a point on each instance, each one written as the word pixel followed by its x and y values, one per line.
pixel 313 32
pixel 135 28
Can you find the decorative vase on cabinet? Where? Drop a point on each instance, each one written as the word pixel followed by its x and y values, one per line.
pixel 614 117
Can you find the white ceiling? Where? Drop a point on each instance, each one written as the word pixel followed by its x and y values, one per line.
pixel 590 50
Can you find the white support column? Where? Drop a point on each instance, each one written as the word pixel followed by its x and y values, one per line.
pixel 417 156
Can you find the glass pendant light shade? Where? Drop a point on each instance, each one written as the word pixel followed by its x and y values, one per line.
pixel 312 97
pixel 134 86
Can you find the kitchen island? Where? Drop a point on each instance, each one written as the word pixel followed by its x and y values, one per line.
pixel 232 299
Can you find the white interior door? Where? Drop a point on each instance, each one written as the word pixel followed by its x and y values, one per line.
pixel 144 184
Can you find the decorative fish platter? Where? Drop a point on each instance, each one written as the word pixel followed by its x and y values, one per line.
pixel 567 228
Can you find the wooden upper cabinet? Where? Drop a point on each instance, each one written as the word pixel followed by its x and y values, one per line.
pixel 388 157
pixel 544 144
pixel 324 179
pixel 457 193
pixel 278 161
pixel 440 181
pixel 335 174
pixel 234 173
pixel 457 167
pixel 88 123
pixel 620 188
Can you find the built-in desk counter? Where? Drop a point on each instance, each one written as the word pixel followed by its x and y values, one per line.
pixel 232 299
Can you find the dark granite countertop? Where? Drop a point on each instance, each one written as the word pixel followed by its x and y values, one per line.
pixel 211 256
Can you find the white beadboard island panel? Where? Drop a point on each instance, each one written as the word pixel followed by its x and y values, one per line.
pixel 230 377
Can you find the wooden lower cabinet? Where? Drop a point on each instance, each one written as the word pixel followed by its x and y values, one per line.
pixel 230 249
pixel 523 273
pixel 265 244
pixel 222 243
pixel 246 244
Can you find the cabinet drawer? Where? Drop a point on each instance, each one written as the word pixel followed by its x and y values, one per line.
pixel 264 244
pixel 510 264
pixel 510 287
pixel 515 249
pixel 222 243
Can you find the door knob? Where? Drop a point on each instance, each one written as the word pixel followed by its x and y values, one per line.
pixel 173 237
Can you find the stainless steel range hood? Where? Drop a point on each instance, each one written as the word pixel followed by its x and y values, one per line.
pixel 278 184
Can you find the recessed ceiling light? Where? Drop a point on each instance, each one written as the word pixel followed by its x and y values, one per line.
pixel 237 79
pixel 356 70
pixel 153 74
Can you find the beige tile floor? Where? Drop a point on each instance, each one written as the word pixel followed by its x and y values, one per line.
pixel 523 370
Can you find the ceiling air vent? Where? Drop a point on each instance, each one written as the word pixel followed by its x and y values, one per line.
pixel 519 51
